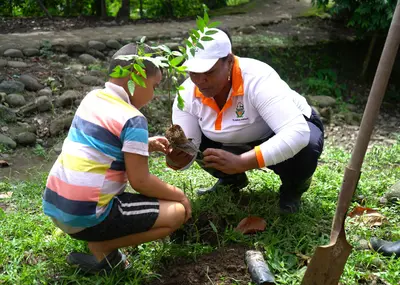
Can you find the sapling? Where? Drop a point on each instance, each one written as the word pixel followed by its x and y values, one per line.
pixel 171 63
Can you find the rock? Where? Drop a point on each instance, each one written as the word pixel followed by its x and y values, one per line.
pixel 77 67
pixel 17 64
pixel 248 30
pixel 70 82
pixel 96 53
pixel 383 200
pixel 96 45
pixel 43 104
pixel 77 47
pixel 323 101
pixel 58 147
pixel 91 80
pixel 45 92
pixel 59 45
pixel 64 58
pixel 30 82
pixel 7 115
pixel 3 63
pixel 362 245
pixel 87 59
pixel 31 51
pixel 326 113
pixel 26 138
pixel 99 74
pixel 67 98
pixel 13 53
pixel 352 118
pixel 12 86
pixel 27 109
pixel 2 97
pixel 4 140
pixel 352 108
pixel 393 194
pixel 56 65
pixel 15 100
pixel 114 44
pixel 59 125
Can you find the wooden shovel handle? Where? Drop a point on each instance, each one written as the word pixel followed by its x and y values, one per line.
pixel 371 112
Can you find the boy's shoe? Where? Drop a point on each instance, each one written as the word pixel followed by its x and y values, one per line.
pixel 290 196
pixel 89 264
pixel 234 182
pixel 387 248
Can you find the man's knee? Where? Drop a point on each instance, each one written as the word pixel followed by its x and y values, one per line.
pixel 179 216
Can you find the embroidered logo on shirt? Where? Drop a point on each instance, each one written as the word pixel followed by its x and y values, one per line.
pixel 239 110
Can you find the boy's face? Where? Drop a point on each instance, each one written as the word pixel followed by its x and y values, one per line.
pixel 142 96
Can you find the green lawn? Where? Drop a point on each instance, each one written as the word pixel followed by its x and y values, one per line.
pixel 33 251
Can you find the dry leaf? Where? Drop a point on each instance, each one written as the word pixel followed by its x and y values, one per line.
pixel 6 195
pixel 4 163
pixel 367 216
pixel 251 225
pixel 304 259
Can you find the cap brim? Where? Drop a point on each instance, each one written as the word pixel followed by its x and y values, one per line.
pixel 199 65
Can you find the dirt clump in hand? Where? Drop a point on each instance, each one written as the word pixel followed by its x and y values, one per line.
pixel 176 136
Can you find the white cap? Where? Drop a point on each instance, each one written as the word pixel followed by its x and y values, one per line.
pixel 204 59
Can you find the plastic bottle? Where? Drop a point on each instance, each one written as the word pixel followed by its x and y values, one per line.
pixel 258 268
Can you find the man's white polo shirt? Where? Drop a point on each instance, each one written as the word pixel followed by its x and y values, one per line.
pixel 260 104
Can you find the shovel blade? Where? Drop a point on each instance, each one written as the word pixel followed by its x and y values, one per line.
pixel 328 263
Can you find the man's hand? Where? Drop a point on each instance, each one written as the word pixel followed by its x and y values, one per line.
pixel 178 158
pixel 188 207
pixel 158 144
pixel 224 161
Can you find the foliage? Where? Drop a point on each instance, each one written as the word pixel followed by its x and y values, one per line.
pixel 33 250
pixel 163 57
pixel 366 16
pixel 324 82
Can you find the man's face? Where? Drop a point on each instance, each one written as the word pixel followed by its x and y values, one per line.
pixel 213 81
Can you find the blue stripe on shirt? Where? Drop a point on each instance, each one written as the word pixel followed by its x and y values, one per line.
pixel 96 131
pixel 135 129
pixel 73 220
pixel 79 136
pixel 78 208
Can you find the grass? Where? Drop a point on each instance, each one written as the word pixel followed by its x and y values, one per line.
pixel 33 251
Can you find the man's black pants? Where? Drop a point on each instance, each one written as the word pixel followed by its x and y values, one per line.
pixel 293 171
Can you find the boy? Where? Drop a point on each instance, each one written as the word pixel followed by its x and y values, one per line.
pixel 106 146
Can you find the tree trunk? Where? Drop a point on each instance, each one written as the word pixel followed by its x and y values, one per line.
pixel 125 11
pixel 67 10
pixel 368 56
pixel 44 9
pixel 100 8
pixel 11 8
pixel 141 9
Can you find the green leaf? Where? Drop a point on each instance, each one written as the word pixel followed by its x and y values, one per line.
pixel 214 228
pixel 192 51
pixel 163 48
pixel 138 80
pixel 140 70
pixel 177 53
pixel 200 45
pixel 181 69
pixel 180 88
pixel 200 24
pixel 214 24
pixel 119 72
pixel 211 32
pixel 195 33
pixel 206 18
pixel 188 43
pixel 176 60
pixel 206 39
pixel 181 102
pixel 142 39
pixel 131 87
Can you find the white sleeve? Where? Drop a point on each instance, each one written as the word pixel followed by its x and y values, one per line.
pixel 273 100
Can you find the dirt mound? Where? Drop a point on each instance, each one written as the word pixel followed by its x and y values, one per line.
pixel 225 266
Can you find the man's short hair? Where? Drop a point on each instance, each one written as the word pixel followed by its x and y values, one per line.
pixel 130 49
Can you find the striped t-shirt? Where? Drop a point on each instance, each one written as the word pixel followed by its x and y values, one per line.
pixel 90 170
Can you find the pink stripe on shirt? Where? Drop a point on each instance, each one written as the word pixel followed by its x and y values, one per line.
pixel 73 192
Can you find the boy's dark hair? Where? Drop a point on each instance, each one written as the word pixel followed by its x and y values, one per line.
pixel 130 49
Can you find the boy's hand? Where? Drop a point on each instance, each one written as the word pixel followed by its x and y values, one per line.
pixel 158 144
pixel 177 159
pixel 188 207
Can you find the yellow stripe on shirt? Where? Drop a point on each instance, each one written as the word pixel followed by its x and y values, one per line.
pixel 82 164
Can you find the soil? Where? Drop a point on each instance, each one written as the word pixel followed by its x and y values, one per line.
pixel 224 266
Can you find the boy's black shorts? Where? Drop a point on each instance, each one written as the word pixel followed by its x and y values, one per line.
pixel 130 214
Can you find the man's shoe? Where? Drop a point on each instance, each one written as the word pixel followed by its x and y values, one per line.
pixel 387 248
pixel 235 183
pixel 290 196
